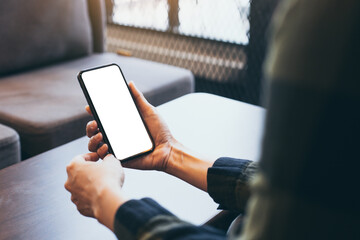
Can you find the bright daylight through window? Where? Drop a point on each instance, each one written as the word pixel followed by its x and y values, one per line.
pixel 225 21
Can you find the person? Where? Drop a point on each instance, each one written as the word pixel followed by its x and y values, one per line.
pixel 305 185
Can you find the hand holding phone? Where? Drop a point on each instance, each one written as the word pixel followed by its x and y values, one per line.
pixel 115 112
pixel 164 142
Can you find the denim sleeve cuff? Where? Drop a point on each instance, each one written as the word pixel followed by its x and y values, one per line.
pixel 228 183
pixel 133 215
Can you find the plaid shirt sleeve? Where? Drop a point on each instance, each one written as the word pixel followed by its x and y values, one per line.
pixel 228 182
pixel 145 219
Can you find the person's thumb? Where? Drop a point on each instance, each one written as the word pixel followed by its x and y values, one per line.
pixel 144 106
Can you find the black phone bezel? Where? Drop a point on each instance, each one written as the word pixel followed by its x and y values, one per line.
pixel 97 119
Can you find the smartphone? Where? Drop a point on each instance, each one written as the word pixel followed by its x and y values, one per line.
pixel 115 111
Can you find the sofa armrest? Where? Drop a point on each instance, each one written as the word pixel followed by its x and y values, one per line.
pixel 9 147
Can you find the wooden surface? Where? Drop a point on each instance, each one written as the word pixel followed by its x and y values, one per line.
pixel 35 205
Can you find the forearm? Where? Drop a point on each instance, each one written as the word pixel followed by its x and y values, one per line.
pixel 107 203
pixel 226 179
pixel 189 166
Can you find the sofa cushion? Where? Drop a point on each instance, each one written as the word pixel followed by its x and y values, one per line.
pixel 9 147
pixel 38 32
pixel 46 106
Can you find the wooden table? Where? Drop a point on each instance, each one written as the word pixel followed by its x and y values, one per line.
pixel 35 205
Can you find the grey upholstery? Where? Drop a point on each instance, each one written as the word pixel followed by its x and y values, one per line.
pixel 9 147
pixel 43 45
pixel 46 106
pixel 39 32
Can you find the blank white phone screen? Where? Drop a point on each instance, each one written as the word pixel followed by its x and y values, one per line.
pixel 117 112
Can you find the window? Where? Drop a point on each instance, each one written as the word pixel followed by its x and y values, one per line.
pixel 209 37
pixel 225 21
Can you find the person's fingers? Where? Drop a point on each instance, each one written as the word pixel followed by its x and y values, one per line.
pixel 73 164
pixel 109 157
pixel 144 106
pixel 93 157
pixel 67 186
pixel 85 210
pixel 103 151
pixel 74 200
pixel 113 161
pixel 94 142
pixel 91 128
pixel 134 163
pixel 87 108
